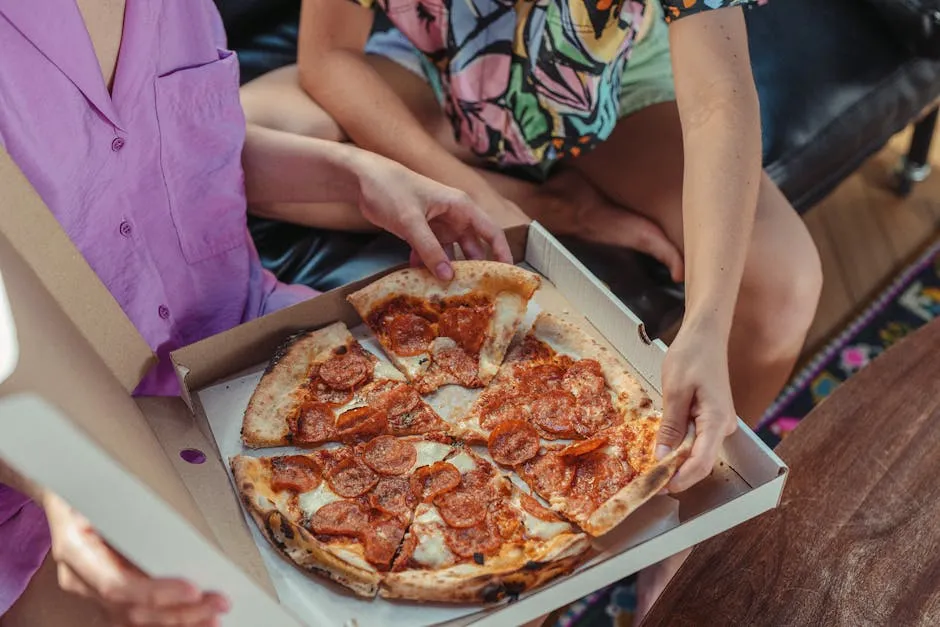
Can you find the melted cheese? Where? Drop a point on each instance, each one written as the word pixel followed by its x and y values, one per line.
pixel 428 516
pixel 463 462
pixel 432 550
pixel 310 502
pixel 429 452
pixel 385 370
pixel 542 529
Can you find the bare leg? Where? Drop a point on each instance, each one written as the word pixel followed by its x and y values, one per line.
pixel 45 603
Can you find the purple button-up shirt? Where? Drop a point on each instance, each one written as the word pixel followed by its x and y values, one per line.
pixel 146 180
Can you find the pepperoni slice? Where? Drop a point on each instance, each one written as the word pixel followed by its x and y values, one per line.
pixel 584 379
pixel 407 550
pixel 501 409
pixel 361 423
pixel 466 326
pixel 393 496
pixel 598 476
pixel 409 334
pixel 468 541
pixel 554 412
pixel 387 455
pixel 548 474
pixel 346 369
pixel 533 349
pixel 594 414
pixel 538 510
pixel 583 447
pixel 421 420
pixel 458 363
pixel 401 400
pixel 351 478
pixel 314 424
pixel 430 481
pixel 323 393
pixel 381 538
pixel 505 520
pixel 295 472
pixel 540 377
pixel 513 442
pixel 340 518
pixel 461 509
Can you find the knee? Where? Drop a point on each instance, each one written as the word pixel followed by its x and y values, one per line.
pixel 779 295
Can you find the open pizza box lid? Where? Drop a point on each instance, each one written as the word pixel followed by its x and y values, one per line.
pixel 69 357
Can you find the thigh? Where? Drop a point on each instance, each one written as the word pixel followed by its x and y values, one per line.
pixel 276 100
pixel 641 167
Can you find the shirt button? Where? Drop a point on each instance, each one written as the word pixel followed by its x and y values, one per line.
pixel 117 143
pixel 163 311
pixel 125 228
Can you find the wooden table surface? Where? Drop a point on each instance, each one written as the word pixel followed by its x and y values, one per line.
pixel 856 539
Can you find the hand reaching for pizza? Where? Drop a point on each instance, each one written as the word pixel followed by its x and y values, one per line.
pixel 696 389
pixel 430 216
pixel 87 566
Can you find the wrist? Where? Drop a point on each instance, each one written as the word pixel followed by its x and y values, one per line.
pixel 708 321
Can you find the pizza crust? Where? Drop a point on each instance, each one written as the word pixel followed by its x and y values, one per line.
pixel 644 487
pixel 280 392
pixel 291 540
pixel 568 339
pixel 509 574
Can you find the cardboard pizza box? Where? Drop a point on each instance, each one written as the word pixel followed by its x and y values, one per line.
pixel 149 474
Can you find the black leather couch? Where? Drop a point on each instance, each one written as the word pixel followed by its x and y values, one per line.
pixel 836 78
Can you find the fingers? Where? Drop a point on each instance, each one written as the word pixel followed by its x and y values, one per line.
pixel 494 237
pixel 677 406
pixel 471 247
pixel 427 247
pixel 709 436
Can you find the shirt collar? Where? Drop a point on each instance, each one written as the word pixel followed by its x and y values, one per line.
pixel 57 30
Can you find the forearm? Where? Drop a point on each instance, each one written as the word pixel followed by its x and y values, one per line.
pixel 376 119
pixel 10 477
pixel 720 117
pixel 720 189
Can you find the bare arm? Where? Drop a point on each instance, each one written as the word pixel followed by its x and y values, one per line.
pixel 333 70
pixel 720 117
pixel 303 180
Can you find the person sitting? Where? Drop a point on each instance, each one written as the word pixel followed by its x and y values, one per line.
pixel 628 123
pixel 125 118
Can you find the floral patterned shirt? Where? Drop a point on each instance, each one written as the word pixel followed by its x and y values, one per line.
pixel 526 82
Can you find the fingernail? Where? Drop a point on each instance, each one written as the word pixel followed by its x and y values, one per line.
pixel 661 451
pixel 443 271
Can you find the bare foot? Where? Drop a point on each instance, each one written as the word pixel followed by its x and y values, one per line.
pixel 568 204
pixel 651 581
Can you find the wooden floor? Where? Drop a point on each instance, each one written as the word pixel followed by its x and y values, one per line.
pixel 866 234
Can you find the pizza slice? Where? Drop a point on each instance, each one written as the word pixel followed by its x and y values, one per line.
pixel 559 384
pixel 447 333
pixel 341 512
pixel 323 386
pixel 476 537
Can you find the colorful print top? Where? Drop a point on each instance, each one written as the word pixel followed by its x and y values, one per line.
pixel 525 82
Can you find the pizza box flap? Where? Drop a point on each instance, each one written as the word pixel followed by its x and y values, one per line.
pixel 35 234
pixel 53 361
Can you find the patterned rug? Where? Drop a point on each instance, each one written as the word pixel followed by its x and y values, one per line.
pixel 912 300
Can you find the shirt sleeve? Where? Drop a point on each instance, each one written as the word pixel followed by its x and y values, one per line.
pixel 677 9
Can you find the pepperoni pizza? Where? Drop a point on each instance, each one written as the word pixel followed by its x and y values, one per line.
pixel 395 500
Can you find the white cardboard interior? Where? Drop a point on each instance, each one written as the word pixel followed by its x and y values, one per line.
pixel 751 482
